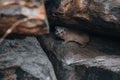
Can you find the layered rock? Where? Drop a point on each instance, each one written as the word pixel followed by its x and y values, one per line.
pixel 98 16
pixel 23 17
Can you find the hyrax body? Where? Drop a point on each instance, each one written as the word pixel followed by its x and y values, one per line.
pixel 72 36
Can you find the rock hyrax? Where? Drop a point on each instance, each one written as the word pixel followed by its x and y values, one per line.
pixel 69 35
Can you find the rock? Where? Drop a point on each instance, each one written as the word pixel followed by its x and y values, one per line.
pixel 8 74
pixel 27 55
pixel 23 17
pixel 96 16
pixel 72 62
pixel 22 75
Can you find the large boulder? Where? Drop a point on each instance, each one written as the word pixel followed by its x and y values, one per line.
pixel 99 60
pixel 23 59
pixel 99 16
pixel 23 17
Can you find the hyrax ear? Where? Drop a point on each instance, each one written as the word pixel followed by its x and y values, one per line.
pixel 56 27
pixel 64 29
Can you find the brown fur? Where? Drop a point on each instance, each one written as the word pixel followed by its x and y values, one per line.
pixel 70 35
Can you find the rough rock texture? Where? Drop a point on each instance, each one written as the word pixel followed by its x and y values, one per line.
pixel 25 54
pixel 99 16
pixel 27 17
pixel 99 60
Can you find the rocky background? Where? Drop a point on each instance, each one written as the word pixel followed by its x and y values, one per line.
pixel 46 58
pixel 98 16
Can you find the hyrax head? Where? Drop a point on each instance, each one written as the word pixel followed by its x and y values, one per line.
pixel 60 31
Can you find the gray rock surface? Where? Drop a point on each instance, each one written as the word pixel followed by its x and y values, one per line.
pixel 28 55
pixel 99 60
